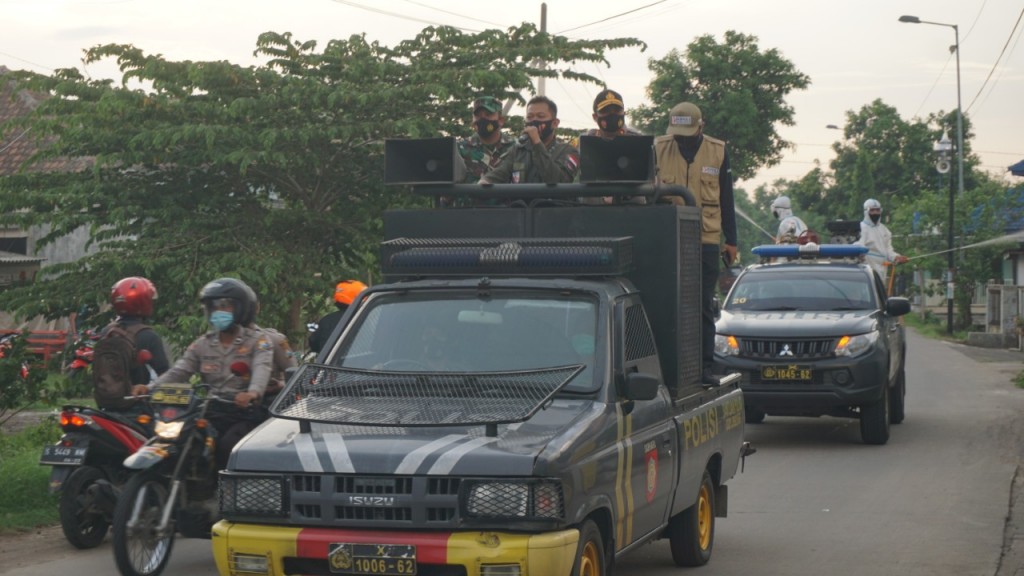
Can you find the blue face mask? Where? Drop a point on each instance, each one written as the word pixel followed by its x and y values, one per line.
pixel 222 320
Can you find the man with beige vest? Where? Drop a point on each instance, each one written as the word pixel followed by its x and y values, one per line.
pixel 687 157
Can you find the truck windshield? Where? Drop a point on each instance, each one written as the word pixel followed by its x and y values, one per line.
pixel 810 288
pixel 455 332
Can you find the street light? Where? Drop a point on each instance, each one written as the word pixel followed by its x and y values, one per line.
pixel 959 161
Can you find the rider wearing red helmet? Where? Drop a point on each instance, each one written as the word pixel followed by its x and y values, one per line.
pixel 132 299
pixel 345 293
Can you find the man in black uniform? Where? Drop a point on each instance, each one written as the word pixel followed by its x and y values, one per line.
pixel 538 158
pixel 345 293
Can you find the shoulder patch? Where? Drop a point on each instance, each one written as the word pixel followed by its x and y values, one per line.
pixel 264 344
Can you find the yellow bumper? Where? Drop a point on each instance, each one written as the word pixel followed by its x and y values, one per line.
pixel 536 554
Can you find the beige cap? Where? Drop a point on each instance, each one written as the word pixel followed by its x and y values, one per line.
pixel 684 119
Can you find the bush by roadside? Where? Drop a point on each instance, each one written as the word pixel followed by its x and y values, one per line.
pixel 24 501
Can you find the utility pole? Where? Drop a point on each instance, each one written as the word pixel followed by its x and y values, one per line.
pixel 543 29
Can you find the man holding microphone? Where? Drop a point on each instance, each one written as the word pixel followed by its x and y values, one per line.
pixel 537 158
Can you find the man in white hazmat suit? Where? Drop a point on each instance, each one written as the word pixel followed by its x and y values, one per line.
pixel 790 225
pixel 878 239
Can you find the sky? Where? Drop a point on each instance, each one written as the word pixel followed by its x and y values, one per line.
pixel 853 51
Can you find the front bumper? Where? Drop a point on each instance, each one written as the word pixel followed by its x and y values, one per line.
pixel 837 384
pixel 292 550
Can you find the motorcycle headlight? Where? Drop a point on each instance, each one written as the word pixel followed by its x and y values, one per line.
pixel 515 500
pixel 169 430
pixel 726 345
pixel 849 346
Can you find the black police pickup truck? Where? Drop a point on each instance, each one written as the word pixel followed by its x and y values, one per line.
pixel 812 333
pixel 522 396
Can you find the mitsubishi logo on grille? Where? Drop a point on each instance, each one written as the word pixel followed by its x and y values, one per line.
pixel 785 351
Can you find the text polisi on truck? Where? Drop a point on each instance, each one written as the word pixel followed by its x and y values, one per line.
pixel 521 396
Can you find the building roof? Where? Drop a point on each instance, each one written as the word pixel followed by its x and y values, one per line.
pixel 15 258
pixel 18 145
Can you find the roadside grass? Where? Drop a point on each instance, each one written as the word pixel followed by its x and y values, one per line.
pixel 24 500
pixel 932 326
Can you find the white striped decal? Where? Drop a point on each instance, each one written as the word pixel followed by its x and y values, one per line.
pixel 413 459
pixel 338 452
pixel 307 453
pixel 620 504
pixel 449 459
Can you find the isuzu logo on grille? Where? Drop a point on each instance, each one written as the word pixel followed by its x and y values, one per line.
pixel 372 500
pixel 785 351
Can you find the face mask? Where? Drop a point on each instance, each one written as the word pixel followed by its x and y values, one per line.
pixel 611 122
pixel 486 127
pixel 875 217
pixel 222 320
pixel 544 128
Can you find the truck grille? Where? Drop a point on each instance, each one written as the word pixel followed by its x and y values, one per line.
pixel 788 349
pixel 377 501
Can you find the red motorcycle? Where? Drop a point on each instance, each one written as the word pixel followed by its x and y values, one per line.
pixel 88 468
pixel 6 344
pixel 82 353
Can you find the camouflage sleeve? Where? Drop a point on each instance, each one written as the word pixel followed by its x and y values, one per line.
pixel 567 161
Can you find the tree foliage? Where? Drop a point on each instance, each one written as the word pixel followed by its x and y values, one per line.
pixel 270 173
pixel 740 89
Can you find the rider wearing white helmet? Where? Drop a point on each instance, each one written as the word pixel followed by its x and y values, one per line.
pixel 878 239
pixel 790 225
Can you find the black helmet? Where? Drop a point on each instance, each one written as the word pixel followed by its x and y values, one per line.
pixel 244 297
pixel 254 308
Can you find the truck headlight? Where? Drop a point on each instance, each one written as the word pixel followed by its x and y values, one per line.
pixel 855 345
pixel 542 499
pixel 253 495
pixel 169 430
pixel 726 345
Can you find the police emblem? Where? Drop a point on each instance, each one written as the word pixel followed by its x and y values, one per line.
pixel 340 557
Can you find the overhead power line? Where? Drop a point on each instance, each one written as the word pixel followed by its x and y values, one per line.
pixel 996 64
pixel 619 15
pixel 427 6
pixel 402 16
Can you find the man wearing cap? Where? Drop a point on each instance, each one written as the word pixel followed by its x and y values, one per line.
pixel 537 157
pixel 610 115
pixel 484 149
pixel 685 156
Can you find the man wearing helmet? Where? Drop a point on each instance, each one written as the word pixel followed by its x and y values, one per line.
pixel 232 358
pixel 878 239
pixel 345 293
pixel 132 298
pixel 790 225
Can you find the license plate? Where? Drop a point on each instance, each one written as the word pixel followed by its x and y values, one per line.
pixel 57 455
pixel 790 372
pixel 390 559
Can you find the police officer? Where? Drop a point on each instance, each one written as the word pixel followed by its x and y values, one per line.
pixel 537 157
pixel 685 156
pixel 610 116
pixel 484 149
pixel 284 358
pixel 878 239
pixel 231 358
pixel 791 226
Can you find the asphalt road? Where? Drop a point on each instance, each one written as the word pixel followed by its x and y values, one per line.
pixel 936 500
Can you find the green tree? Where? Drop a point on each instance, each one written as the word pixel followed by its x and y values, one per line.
pixel 740 90
pixel 271 173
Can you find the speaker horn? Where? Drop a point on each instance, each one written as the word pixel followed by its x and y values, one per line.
pixel 423 161
pixel 620 159
pixel 942 166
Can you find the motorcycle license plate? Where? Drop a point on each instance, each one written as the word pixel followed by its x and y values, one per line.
pixel 389 559
pixel 790 373
pixel 57 455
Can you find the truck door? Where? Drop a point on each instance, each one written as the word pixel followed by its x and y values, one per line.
pixel 890 330
pixel 649 438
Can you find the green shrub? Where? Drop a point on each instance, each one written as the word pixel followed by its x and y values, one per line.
pixel 25 501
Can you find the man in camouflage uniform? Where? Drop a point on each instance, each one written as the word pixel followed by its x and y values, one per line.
pixel 485 148
pixel 537 158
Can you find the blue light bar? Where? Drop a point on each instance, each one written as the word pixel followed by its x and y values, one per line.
pixel 507 257
pixel 810 251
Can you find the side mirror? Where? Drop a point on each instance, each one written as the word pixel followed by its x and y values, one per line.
pixel 897 306
pixel 642 386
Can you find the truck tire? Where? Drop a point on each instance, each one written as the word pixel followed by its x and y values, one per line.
pixel 692 531
pixel 82 515
pixel 897 396
pixel 874 421
pixel 753 415
pixel 590 559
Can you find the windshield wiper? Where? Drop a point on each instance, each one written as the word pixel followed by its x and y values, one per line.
pixel 842 308
pixel 772 309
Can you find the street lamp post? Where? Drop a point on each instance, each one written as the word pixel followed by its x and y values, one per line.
pixel 959 162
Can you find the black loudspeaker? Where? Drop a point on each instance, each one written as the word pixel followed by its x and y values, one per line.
pixel 423 161
pixel 620 159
